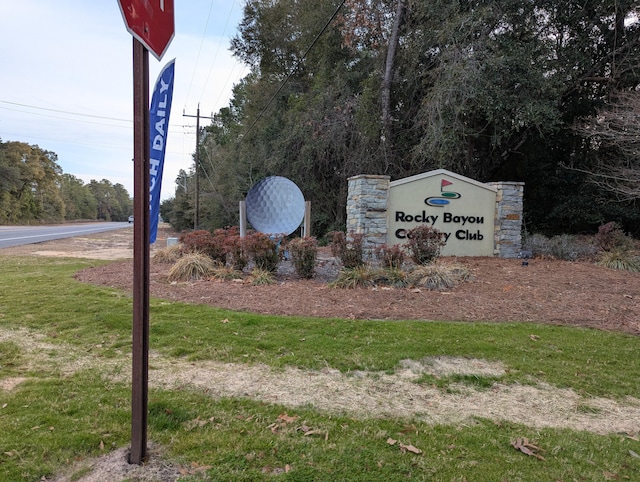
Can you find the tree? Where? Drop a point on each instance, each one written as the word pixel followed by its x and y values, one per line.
pixel 78 199
pixel 612 138
pixel 490 90
pixel 29 184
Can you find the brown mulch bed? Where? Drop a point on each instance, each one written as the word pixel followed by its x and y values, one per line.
pixel 502 290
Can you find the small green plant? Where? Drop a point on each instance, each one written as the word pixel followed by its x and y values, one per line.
pixel 424 243
pixel 392 276
pixel 192 266
pixel 390 256
pixel 438 276
pixel 304 252
pixel 263 250
pixel 262 277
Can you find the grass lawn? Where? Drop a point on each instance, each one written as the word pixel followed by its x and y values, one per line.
pixel 65 396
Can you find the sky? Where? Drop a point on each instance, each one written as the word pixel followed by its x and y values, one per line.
pixel 66 81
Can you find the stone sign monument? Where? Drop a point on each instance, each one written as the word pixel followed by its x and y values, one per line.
pixel 477 219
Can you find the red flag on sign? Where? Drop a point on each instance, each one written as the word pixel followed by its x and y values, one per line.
pixel 444 183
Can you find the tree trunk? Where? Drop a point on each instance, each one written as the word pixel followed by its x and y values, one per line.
pixel 385 94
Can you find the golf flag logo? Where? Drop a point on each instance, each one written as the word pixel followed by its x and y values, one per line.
pixel 445 195
pixel 158 128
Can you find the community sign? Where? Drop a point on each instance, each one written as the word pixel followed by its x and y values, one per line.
pixel 461 208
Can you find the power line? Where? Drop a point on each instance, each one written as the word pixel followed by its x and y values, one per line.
pixel 215 57
pixel 64 111
pixel 293 70
pixel 195 65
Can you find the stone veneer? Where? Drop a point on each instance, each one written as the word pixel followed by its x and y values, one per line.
pixel 367 213
pixel 508 224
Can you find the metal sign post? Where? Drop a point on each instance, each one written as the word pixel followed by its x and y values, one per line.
pixel 151 23
pixel 140 360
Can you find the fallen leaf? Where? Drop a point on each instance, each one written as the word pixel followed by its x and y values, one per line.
pixel 534 337
pixel 523 445
pixel 628 296
pixel 633 454
pixel 101 445
pixel 410 448
pixel 391 441
pixel 286 418
pixel 226 320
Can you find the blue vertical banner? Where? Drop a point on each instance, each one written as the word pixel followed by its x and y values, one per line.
pixel 158 129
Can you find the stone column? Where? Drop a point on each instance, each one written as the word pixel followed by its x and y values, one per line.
pixel 367 209
pixel 508 223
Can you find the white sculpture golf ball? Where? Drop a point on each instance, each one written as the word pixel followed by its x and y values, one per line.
pixel 275 205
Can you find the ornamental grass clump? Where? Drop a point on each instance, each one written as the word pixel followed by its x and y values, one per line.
pixel 619 259
pixel 358 277
pixel 304 252
pixel 192 266
pixel 424 243
pixel 168 255
pixel 262 277
pixel 438 276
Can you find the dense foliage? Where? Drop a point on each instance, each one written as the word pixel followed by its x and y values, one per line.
pixel 493 90
pixel 33 189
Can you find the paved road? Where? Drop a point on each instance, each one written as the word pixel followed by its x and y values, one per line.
pixel 19 235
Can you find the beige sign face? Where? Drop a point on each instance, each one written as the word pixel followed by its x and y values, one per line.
pixel 459 207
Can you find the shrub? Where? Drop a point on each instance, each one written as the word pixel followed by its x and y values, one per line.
pixel 263 250
pixel 438 276
pixel 202 241
pixel 304 252
pixel 611 237
pixel 564 246
pixel 390 256
pixel 192 266
pixel 424 243
pixel 237 256
pixel 337 243
pixel 348 248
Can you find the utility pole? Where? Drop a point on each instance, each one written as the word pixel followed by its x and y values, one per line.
pixel 196 217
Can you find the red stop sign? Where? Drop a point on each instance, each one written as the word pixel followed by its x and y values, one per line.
pixel 151 22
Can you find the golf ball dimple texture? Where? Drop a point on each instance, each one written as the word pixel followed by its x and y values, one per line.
pixel 275 205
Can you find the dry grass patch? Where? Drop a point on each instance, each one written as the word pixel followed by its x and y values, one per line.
pixel 192 266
